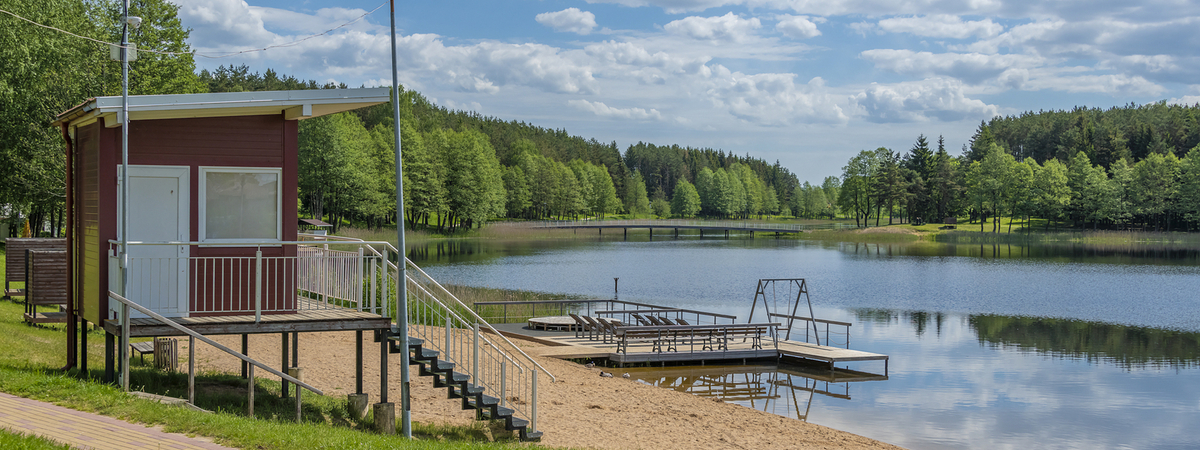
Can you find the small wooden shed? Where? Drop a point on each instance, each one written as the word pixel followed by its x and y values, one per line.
pixel 216 174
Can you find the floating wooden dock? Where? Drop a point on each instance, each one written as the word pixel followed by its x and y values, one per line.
pixel 565 345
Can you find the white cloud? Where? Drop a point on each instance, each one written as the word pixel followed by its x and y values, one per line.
pixel 973 68
pixel 1187 100
pixel 774 99
pixel 570 20
pixel 922 101
pixel 224 22
pixel 602 110
pixel 797 27
pixel 941 26
pixel 726 28
pixel 1118 84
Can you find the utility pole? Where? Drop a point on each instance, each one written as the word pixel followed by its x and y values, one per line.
pixel 401 263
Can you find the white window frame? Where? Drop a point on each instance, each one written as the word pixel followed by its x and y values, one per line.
pixel 203 206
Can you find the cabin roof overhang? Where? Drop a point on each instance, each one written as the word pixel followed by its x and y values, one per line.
pixel 293 105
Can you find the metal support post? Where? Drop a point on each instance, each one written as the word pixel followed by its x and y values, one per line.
pixel 533 404
pixel 250 393
pixel 503 381
pixel 124 351
pixel 258 286
pixel 283 392
pixel 475 358
pixel 192 370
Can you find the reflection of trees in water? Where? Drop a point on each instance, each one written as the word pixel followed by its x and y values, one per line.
pixel 1092 253
pixel 1127 346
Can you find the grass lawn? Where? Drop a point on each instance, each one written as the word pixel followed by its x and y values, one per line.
pixel 31 358
pixel 18 441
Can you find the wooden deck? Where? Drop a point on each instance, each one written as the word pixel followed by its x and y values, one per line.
pixel 305 320
pixel 566 346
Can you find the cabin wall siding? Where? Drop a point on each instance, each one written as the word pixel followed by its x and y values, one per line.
pixel 245 141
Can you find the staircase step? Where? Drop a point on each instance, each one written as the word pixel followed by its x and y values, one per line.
pixel 531 436
pixel 441 366
pixel 425 354
pixel 456 377
pixel 502 412
pixel 489 401
pixel 517 423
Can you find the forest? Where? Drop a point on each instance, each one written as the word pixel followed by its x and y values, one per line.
pixel 1133 166
pixel 1130 167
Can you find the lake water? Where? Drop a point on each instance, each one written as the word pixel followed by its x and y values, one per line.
pixel 990 346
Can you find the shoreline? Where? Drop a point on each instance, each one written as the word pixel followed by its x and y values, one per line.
pixel 581 410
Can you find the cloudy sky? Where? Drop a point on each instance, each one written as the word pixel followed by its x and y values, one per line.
pixel 806 82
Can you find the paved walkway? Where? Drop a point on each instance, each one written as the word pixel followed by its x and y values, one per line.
pixel 86 430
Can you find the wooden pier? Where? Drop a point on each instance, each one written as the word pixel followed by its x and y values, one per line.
pixel 566 345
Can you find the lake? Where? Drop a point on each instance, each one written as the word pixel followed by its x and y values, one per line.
pixel 991 346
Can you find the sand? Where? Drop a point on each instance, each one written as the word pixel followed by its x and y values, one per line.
pixel 580 410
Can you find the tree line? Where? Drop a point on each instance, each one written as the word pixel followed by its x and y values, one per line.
pixel 1155 186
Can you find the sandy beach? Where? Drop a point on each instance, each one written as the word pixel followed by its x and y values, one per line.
pixel 580 410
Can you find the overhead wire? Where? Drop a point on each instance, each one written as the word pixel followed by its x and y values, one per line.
pixel 204 55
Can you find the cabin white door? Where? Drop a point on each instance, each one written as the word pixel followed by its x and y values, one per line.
pixel 158 212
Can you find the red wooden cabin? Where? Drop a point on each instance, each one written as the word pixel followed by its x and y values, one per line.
pixel 213 188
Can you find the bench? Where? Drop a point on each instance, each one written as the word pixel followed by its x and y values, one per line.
pixel 709 337
pixel 164 350
pixel 14 265
pixel 46 284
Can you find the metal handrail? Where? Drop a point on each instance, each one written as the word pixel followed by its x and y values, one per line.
pixel 480 320
pixel 409 263
pixel 191 376
pixel 460 319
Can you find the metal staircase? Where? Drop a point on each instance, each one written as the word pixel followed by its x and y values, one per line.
pixel 462 351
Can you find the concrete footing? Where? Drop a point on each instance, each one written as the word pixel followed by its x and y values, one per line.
pixel 356 405
pixel 385 417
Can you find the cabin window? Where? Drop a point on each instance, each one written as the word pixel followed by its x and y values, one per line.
pixel 240 204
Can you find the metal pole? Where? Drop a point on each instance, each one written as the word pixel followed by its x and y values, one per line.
pixel 124 361
pixel 250 393
pixel 401 288
pixel 192 369
pixel 258 286
pixel 533 404
pixel 124 351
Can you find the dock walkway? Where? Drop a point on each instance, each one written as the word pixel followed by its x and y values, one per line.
pixel 564 345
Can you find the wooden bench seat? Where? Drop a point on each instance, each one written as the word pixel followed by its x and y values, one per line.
pixel 709 337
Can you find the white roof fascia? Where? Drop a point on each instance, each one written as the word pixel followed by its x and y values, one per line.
pixel 301 104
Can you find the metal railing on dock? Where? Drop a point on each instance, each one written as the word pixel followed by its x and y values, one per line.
pixel 813 332
pixel 520 311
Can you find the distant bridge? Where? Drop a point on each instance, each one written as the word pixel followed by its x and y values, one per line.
pixel 676 225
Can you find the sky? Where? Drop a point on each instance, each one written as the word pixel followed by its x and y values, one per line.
pixel 808 83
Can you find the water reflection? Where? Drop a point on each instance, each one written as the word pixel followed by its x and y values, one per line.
pixel 1092 253
pixel 782 390
pixel 1129 347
